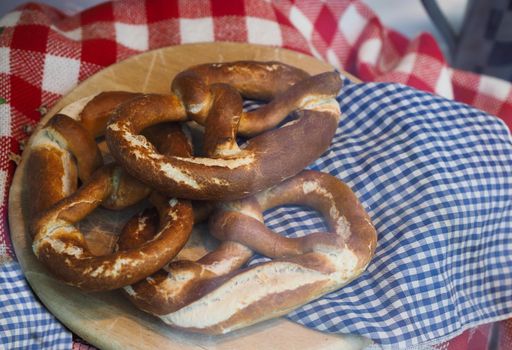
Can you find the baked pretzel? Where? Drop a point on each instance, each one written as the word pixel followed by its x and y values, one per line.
pixel 64 148
pixel 213 295
pixel 60 245
pixel 232 173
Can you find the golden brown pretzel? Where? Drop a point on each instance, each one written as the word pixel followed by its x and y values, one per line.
pixel 60 245
pixel 67 137
pixel 266 159
pixel 212 295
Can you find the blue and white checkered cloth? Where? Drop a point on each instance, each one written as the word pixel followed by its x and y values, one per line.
pixel 24 322
pixel 436 178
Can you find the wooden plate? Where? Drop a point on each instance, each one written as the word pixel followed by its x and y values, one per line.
pixel 107 320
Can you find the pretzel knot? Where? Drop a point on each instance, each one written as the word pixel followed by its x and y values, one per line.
pixel 64 150
pixel 210 95
pixel 214 295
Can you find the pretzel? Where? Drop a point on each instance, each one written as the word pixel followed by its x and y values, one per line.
pixel 213 295
pixel 56 205
pixel 231 173
pixel 60 245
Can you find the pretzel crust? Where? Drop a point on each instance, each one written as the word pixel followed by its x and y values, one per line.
pixel 213 295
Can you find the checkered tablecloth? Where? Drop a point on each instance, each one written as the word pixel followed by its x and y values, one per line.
pixel 433 174
pixel 435 177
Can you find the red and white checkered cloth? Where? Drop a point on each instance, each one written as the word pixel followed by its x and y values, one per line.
pixel 44 54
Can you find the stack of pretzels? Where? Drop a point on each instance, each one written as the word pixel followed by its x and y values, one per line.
pixel 151 158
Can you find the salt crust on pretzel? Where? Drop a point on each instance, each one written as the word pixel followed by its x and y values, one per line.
pixel 213 295
pixel 266 159
pixel 57 205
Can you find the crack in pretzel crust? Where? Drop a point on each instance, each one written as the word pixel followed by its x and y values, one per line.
pixel 216 295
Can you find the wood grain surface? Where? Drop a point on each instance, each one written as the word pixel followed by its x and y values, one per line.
pixel 108 320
